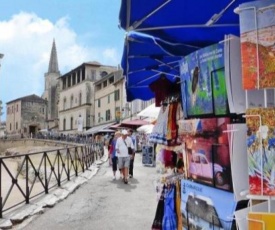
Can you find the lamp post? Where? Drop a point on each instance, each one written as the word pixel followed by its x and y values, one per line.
pixel 1 56
pixel 1 113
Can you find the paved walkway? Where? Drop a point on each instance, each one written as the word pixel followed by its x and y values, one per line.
pixel 104 204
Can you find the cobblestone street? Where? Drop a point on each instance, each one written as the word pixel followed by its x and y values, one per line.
pixel 104 204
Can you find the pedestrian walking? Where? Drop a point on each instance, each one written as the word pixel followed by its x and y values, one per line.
pixel 132 156
pixel 113 154
pixel 124 144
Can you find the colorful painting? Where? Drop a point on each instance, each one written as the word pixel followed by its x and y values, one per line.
pixel 261 221
pixel 261 150
pixel 206 208
pixel 203 82
pixel 207 151
pixel 257 44
pixel 219 92
pixel 209 164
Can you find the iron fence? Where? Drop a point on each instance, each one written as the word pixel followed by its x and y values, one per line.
pixel 26 176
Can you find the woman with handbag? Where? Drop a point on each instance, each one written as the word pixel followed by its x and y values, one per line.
pixel 113 154
pixel 132 157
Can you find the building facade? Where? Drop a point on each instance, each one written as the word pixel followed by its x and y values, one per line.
pixel 89 95
pixel 111 105
pixel 77 96
pixel 108 98
pixel 26 115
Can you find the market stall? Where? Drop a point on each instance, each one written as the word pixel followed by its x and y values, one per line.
pixel 215 135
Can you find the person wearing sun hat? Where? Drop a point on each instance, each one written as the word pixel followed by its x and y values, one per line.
pixel 122 144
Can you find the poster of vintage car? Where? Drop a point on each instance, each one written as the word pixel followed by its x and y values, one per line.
pixel 257 25
pixel 261 150
pixel 204 207
pixel 210 164
pixel 203 82
pixel 207 153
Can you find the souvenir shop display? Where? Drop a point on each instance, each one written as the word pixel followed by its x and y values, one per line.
pixel 233 75
pixel 225 133
pixel 204 207
pixel 161 87
pixel 148 155
pixel 207 146
pixel 257 26
pixel 242 215
pixel 203 82
pixel 207 151
pixel 168 213
pixel 261 220
pixel 238 159
pixel 261 150
pixel 214 137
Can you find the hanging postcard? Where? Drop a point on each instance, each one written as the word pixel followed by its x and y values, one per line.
pixel 204 207
pixel 203 83
pixel 257 26
pixel 261 150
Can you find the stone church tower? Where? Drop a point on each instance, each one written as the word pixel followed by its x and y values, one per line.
pixel 51 90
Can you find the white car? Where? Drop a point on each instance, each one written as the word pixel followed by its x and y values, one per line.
pixel 200 167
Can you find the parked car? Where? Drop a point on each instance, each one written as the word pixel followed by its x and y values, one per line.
pixel 200 167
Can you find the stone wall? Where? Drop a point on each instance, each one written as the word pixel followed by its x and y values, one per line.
pixel 6 144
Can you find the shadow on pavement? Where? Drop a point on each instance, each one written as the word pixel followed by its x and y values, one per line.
pixel 127 187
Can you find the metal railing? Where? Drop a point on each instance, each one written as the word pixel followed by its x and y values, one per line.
pixel 26 176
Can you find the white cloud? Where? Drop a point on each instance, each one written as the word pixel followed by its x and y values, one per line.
pixel 26 40
pixel 111 54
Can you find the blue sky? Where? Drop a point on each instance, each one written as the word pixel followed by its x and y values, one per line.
pixel 84 30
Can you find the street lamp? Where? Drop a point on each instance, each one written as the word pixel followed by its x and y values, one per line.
pixel 1 56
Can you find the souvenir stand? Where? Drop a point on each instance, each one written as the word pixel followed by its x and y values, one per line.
pixel 169 156
pixel 215 136
pixel 147 149
pixel 258 77
pixel 197 129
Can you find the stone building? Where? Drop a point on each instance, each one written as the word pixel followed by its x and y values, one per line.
pixel 26 115
pixel 51 90
pixel 77 94
pixel 110 105
pixel 108 98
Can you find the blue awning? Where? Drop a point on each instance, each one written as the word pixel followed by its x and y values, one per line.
pixel 191 22
pixel 145 58
pixel 176 28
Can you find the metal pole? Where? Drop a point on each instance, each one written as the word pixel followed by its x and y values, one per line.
pixel 1 56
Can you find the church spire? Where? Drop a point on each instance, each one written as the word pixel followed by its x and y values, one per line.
pixel 53 64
